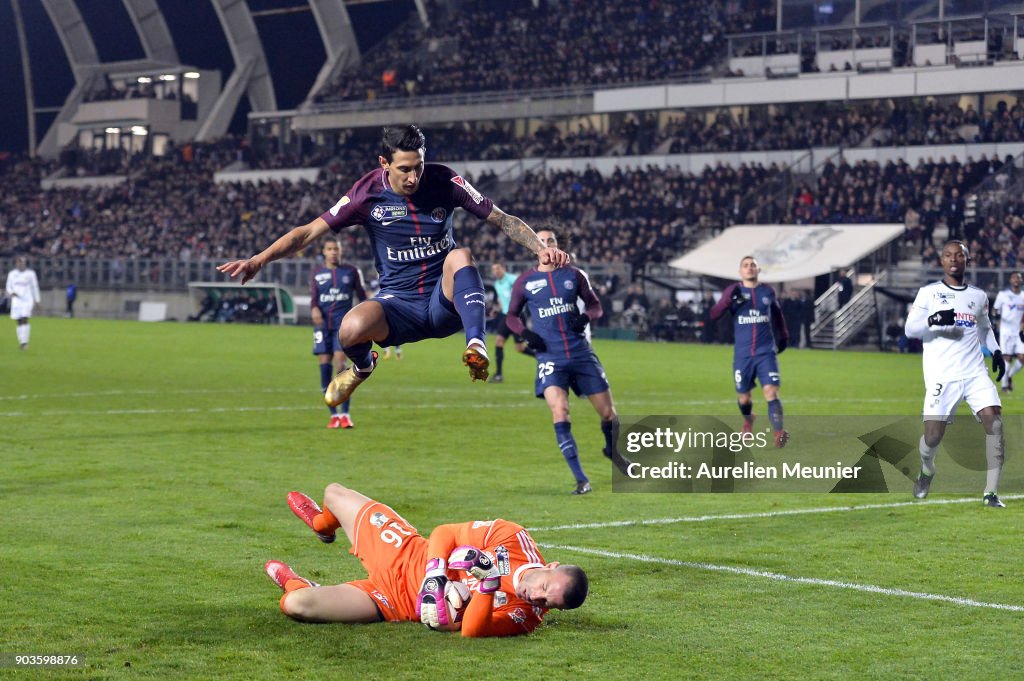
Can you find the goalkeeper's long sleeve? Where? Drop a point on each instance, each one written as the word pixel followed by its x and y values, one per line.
pixel 443 539
pixel 483 619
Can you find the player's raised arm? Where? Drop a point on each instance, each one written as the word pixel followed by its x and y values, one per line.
pixel 523 234
pixel 724 303
pixel 292 242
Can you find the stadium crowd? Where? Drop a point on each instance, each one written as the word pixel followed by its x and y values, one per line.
pixel 549 44
pixel 760 128
pixel 171 206
pixel 635 216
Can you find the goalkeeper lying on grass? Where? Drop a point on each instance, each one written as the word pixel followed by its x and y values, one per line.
pixel 493 564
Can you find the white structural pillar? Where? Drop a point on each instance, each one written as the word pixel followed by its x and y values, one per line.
pixel 335 26
pixel 153 32
pixel 82 58
pixel 251 75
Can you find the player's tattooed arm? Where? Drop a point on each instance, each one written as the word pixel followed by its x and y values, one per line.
pixel 522 234
pixel 516 229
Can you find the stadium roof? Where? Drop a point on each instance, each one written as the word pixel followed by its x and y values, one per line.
pixel 787 253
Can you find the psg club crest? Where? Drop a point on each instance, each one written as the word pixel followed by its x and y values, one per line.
pixel 569 284
pixel 438 215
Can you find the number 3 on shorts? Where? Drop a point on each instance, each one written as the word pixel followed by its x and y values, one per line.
pixel 938 390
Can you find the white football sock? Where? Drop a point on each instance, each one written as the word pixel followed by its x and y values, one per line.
pixel 994 447
pixel 927 457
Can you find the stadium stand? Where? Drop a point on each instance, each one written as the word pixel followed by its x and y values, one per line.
pixel 547 45
pixel 634 211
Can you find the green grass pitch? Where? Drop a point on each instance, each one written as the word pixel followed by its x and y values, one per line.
pixel 144 469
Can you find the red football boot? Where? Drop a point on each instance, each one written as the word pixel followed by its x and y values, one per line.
pixel 748 424
pixel 307 509
pixel 281 574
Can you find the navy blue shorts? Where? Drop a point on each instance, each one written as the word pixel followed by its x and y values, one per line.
pixel 765 368
pixel 502 329
pixel 325 340
pixel 584 375
pixel 413 317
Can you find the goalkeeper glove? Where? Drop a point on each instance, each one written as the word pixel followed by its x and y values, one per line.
pixel 782 343
pixel 942 318
pixel 477 563
pixel 535 342
pixel 579 322
pixel 430 604
pixel 998 364
pixel 737 296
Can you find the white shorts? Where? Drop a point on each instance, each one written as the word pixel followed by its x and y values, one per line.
pixel 21 309
pixel 942 399
pixel 1010 344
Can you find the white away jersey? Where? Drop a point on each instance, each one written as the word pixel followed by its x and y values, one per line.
pixel 954 352
pixel 1010 307
pixel 24 284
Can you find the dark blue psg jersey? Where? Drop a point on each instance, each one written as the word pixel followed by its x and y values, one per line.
pixel 551 298
pixel 333 291
pixel 757 322
pixel 410 235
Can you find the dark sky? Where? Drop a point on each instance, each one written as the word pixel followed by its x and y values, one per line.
pixel 290 40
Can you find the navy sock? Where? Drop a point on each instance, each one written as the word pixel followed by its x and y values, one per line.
pixel 470 302
pixel 344 406
pixel 499 357
pixel 567 443
pixel 745 409
pixel 360 355
pixel 608 430
pixel 325 380
pixel 775 414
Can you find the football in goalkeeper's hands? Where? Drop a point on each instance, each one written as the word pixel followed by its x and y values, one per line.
pixel 456 597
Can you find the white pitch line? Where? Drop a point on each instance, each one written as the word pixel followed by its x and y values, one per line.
pixel 142 393
pixel 765 514
pixel 223 410
pixel 812 581
pixel 417 389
